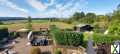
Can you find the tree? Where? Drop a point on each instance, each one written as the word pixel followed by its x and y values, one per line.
pixel 118 7
pixel 101 24
pixel 82 14
pixel 1 23
pixel 78 15
pixel 114 27
pixel 103 21
pixel 116 13
pixel 89 18
pixel 29 23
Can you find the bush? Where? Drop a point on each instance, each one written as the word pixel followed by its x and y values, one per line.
pixel 72 38
pixel 58 51
pixel 67 37
pixel 14 34
pixel 85 44
pixel 1 23
pixel 3 32
pixel 100 38
pixel 35 50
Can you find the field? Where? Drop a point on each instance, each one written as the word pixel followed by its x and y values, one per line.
pixel 18 24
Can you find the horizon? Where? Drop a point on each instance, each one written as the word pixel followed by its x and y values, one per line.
pixel 55 8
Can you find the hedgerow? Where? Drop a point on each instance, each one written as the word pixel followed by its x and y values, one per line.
pixel 108 39
pixel 67 37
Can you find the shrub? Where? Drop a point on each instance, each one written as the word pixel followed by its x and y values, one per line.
pixel 35 50
pixel 100 38
pixel 14 34
pixel 72 38
pixel 58 51
pixel 3 32
pixel 1 23
pixel 29 24
pixel 85 44
pixel 68 21
pixel 67 37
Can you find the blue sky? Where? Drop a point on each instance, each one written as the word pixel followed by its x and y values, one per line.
pixel 54 8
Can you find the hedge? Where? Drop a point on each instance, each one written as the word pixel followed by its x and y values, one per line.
pixel 109 39
pixel 3 32
pixel 67 37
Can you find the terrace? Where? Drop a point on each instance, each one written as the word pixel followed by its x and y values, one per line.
pixel 41 39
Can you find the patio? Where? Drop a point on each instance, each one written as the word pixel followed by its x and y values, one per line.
pixel 21 47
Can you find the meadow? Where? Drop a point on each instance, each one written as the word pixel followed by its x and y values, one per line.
pixel 18 24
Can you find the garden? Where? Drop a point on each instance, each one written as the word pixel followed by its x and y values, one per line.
pixel 106 30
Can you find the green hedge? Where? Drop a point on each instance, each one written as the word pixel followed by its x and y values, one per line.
pixel 100 38
pixel 3 32
pixel 67 37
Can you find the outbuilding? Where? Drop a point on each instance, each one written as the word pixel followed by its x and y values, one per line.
pixel 83 28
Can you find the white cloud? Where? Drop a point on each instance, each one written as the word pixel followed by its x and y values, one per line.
pixel 36 4
pixel 39 5
pixel 64 10
pixel 61 7
pixel 13 8
pixel 60 10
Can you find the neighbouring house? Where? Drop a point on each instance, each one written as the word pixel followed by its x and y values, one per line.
pixel 83 28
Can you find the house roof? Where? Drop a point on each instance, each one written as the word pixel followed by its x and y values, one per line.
pixel 81 25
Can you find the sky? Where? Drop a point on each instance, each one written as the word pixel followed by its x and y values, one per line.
pixel 54 8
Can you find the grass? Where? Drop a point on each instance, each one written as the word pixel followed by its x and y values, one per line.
pixel 22 24
pixel 40 21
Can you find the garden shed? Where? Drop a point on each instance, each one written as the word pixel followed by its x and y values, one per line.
pixel 83 28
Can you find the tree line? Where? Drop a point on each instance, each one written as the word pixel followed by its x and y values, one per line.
pixel 109 21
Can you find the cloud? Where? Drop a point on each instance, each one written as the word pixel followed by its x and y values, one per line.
pixel 36 4
pixel 13 8
pixel 52 8
pixel 66 10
